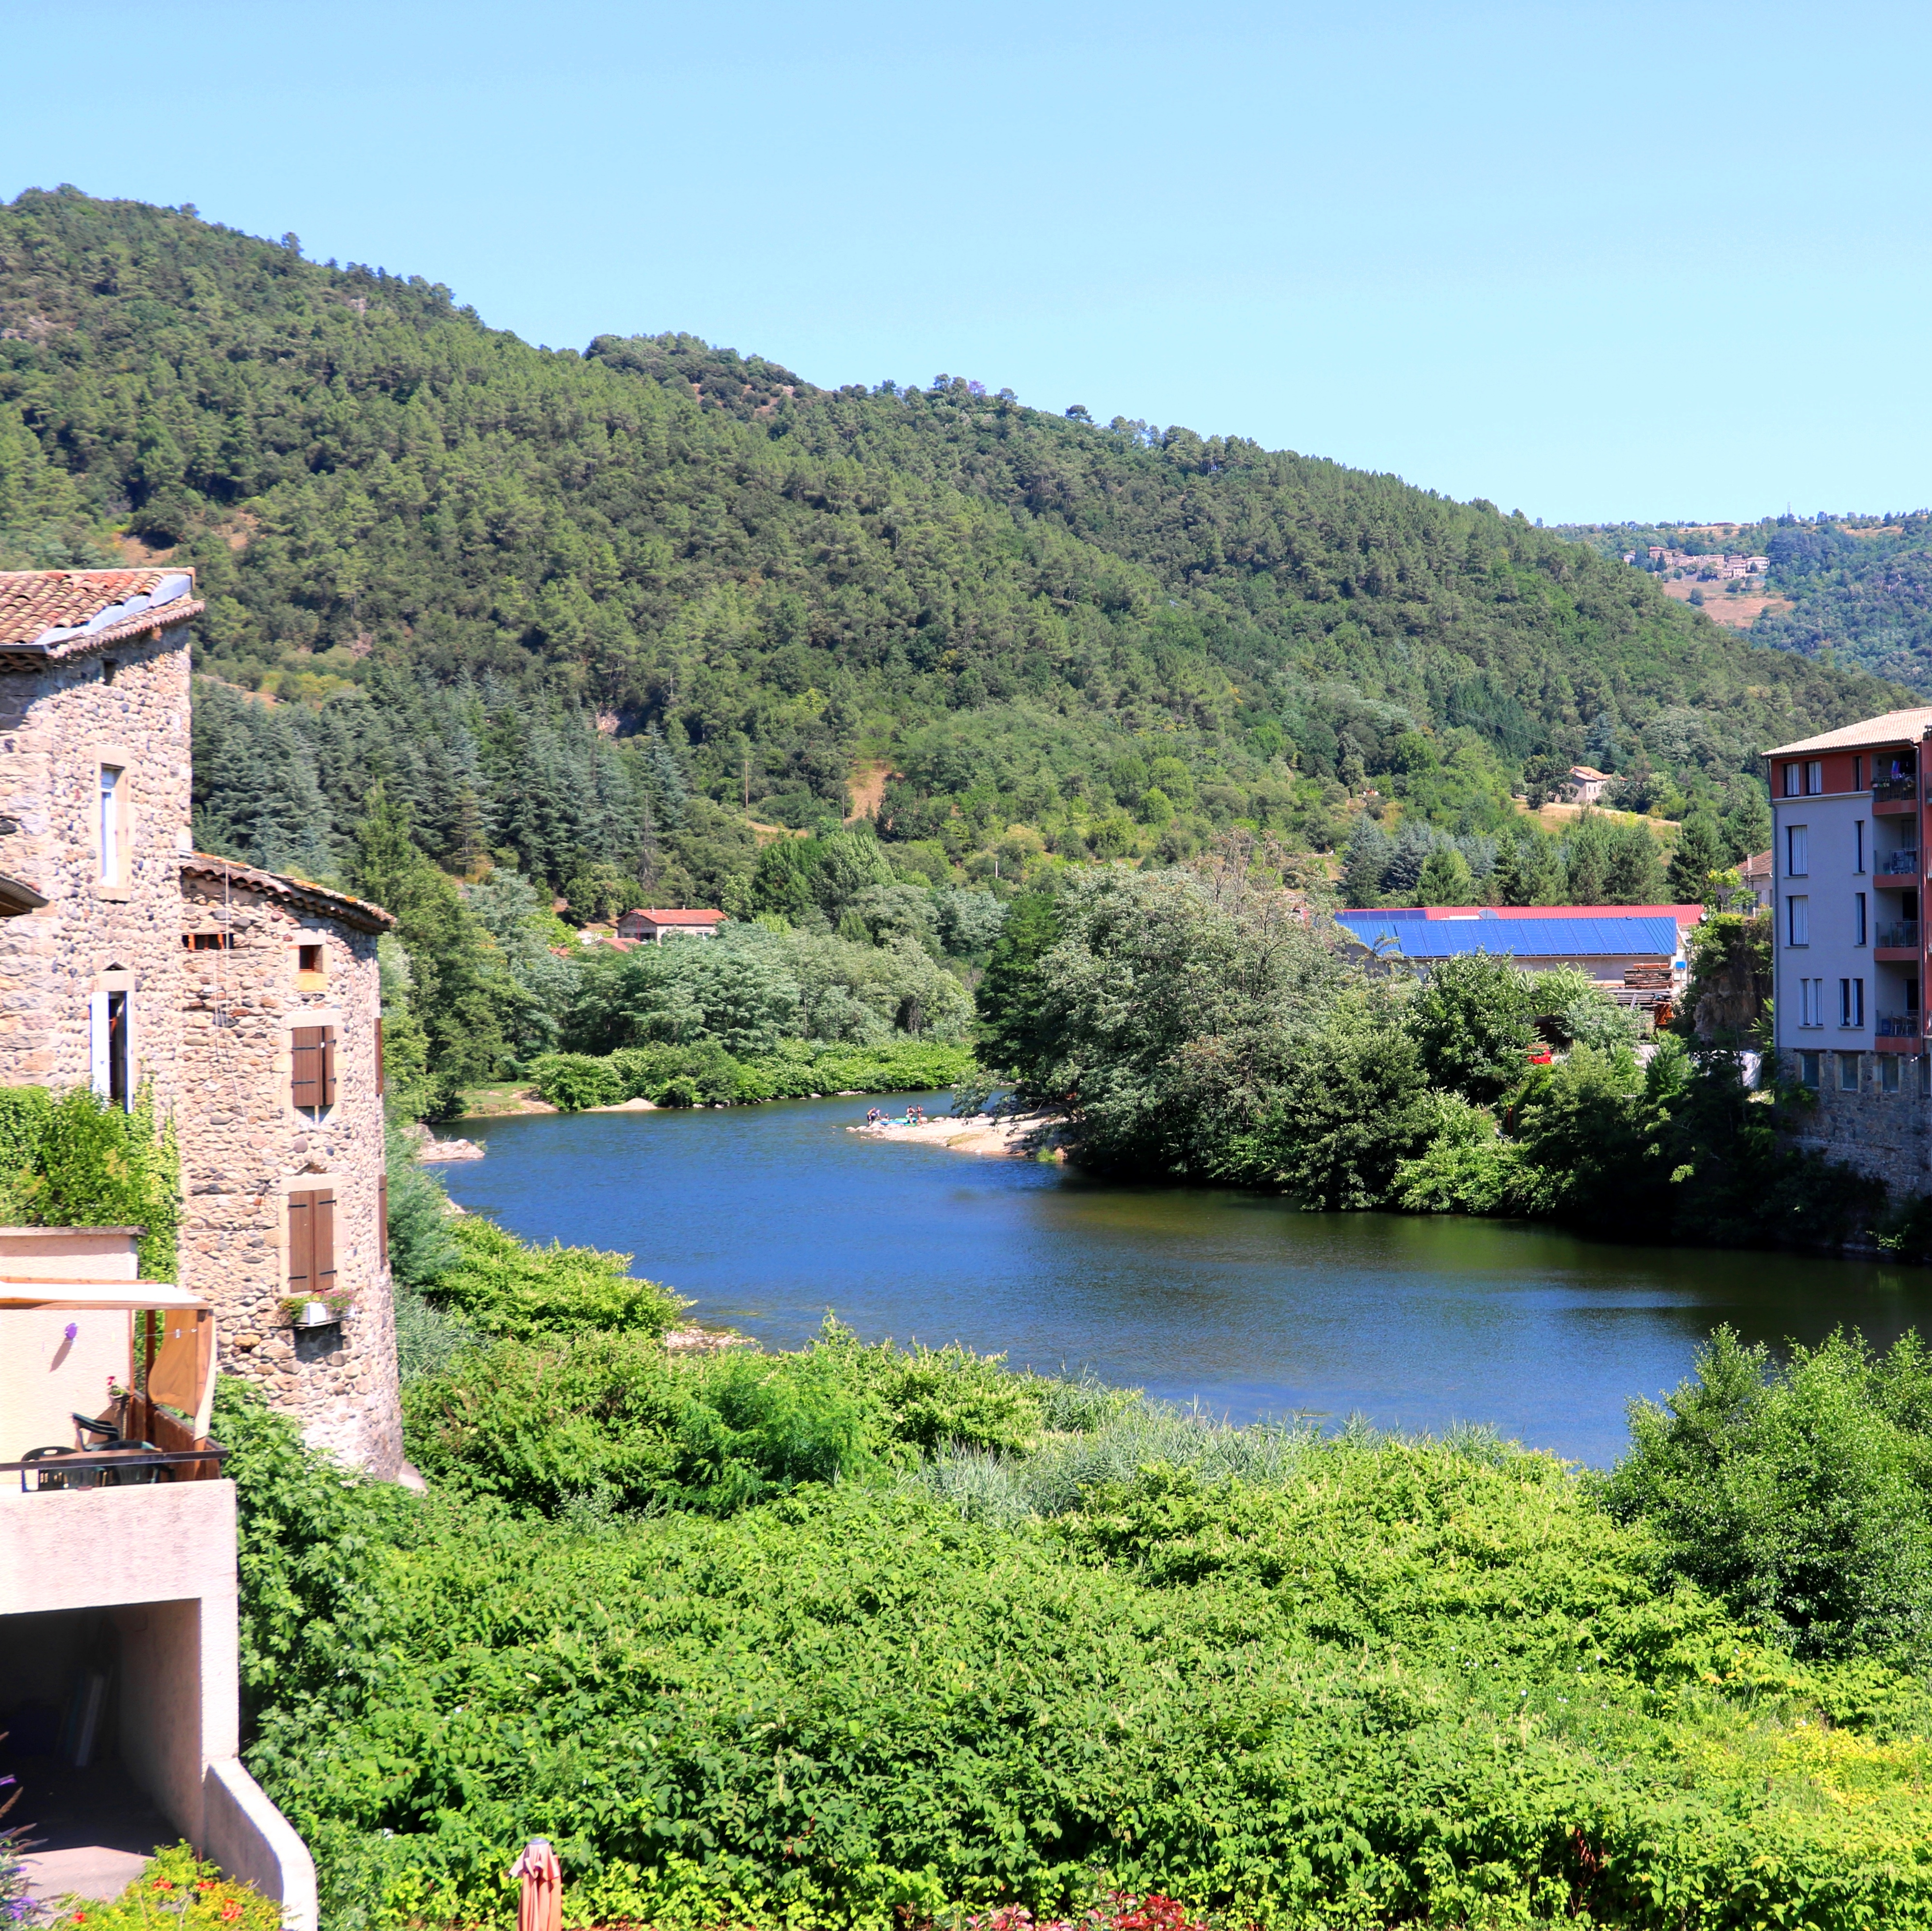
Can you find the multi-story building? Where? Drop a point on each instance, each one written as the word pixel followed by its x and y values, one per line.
pixel 1849 853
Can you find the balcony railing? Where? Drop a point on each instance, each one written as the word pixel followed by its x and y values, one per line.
pixel 1903 863
pixel 1899 932
pixel 1887 791
pixel 1899 1025
pixel 60 1469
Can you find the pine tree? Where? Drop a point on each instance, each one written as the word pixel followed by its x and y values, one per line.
pixel 1446 879
pixel 1700 851
pixel 1367 856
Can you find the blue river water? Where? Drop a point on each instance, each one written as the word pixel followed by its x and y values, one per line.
pixel 767 1217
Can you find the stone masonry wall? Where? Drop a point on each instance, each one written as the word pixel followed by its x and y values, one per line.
pixel 58 726
pixel 1886 1135
pixel 245 1147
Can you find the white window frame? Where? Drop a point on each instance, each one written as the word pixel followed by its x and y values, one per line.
pixel 1814 777
pixel 1798 920
pixel 1798 851
pixel 1851 1004
pixel 110 823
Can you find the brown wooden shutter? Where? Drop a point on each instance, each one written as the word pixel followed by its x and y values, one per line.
pixel 306 1067
pixel 328 1065
pixel 301 1243
pixel 379 1087
pixel 382 1221
pixel 325 1239
pixel 312 1241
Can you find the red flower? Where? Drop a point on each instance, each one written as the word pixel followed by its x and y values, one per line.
pixel 231 1911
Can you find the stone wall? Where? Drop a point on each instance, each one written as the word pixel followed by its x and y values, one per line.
pixel 1886 1135
pixel 127 705
pixel 245 1147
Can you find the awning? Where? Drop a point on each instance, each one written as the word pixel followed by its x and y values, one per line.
pixel 16 898
pixel 131 1295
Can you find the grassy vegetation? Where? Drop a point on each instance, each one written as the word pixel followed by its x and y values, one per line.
pixel 708 1075
pixel 863 1637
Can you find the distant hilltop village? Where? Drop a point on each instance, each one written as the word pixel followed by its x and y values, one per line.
pixel 1710 569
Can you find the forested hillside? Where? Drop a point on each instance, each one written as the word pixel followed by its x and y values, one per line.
pixel 550 596
pixel 1860 587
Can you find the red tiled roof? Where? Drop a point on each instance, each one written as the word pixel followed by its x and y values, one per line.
pixel 34 602
pixel 677 917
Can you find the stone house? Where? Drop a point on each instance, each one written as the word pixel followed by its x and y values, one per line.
pixel 286 1229
pixel 247 1003
pixel 653 925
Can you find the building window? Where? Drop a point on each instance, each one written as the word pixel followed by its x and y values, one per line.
pixel 1859 844
pixel 1811 1002
pixel 107 1048
pixel 1798 921
pixel 1851 1002
pixel 312 1068
pixel 311 967
pixel 1814 777
pixel 1858 918
pixel 1858 781
pixel 1794 781
pixel 113 787
pixel 1848 1072
pixel 208 941
pixel 1797 850
pixel 311 1242
pixel 1808 1069
pixel 1887 1072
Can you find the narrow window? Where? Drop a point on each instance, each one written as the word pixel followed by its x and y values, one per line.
pixel 312 1242
pixel 1858 918
pixel 1887 1072
pixel 1858 781
pixel 107 1047
pixel 1798 921
pixel 1797 850
pixel 1794 785
pixel 1808 1069
pixel 111 775
pixel 1814 777
pixel 1859 844
pixel 1844 1002
pixel 1848 1072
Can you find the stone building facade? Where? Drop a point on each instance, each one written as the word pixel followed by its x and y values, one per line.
pixel 247 1003
pixel 93 817
pixel 281 1144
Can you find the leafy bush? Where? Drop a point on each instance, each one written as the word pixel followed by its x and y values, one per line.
pixel 572 1081
pixel 502 1286
pixel 708 1074
pixel 176 1891
pixel 608 1415
pixel 77 1159
pixel 1801 1495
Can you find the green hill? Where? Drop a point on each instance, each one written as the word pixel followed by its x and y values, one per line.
pixel 588 605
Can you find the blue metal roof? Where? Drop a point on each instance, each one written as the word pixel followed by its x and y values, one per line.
pixel 1522 938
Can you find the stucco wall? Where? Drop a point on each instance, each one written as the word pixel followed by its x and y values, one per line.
pixel 57 728
pixel 245 1147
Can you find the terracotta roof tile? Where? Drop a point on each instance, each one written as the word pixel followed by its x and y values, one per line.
pixel 1890 727
pixel 299 892
pixel 677 917
pixel 34 603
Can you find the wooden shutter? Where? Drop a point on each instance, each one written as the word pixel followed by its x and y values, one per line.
pixel 305 1072
pixel 312 1241
pixel 312 1066
pixel 379 1087
pixel 382 1221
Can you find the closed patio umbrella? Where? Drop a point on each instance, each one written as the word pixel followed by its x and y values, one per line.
pixel 540 1908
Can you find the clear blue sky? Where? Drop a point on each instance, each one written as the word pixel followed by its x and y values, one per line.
pixel 1594 262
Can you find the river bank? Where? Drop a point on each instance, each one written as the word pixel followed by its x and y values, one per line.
pixel 1034 1136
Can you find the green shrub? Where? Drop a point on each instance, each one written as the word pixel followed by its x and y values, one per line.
pixel 77 1159
pixel 681 1091
pixel 572 1081
pixel 505 1286
pixel 1800 1495
pixel 711 1072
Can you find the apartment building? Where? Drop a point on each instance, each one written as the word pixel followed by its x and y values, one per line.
pixel 1848 855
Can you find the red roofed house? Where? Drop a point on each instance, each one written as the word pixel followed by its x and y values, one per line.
pixel 654 925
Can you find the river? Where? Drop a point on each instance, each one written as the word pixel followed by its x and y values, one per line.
pixel 765 1217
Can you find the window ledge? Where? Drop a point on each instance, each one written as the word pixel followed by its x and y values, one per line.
pixel 117 894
